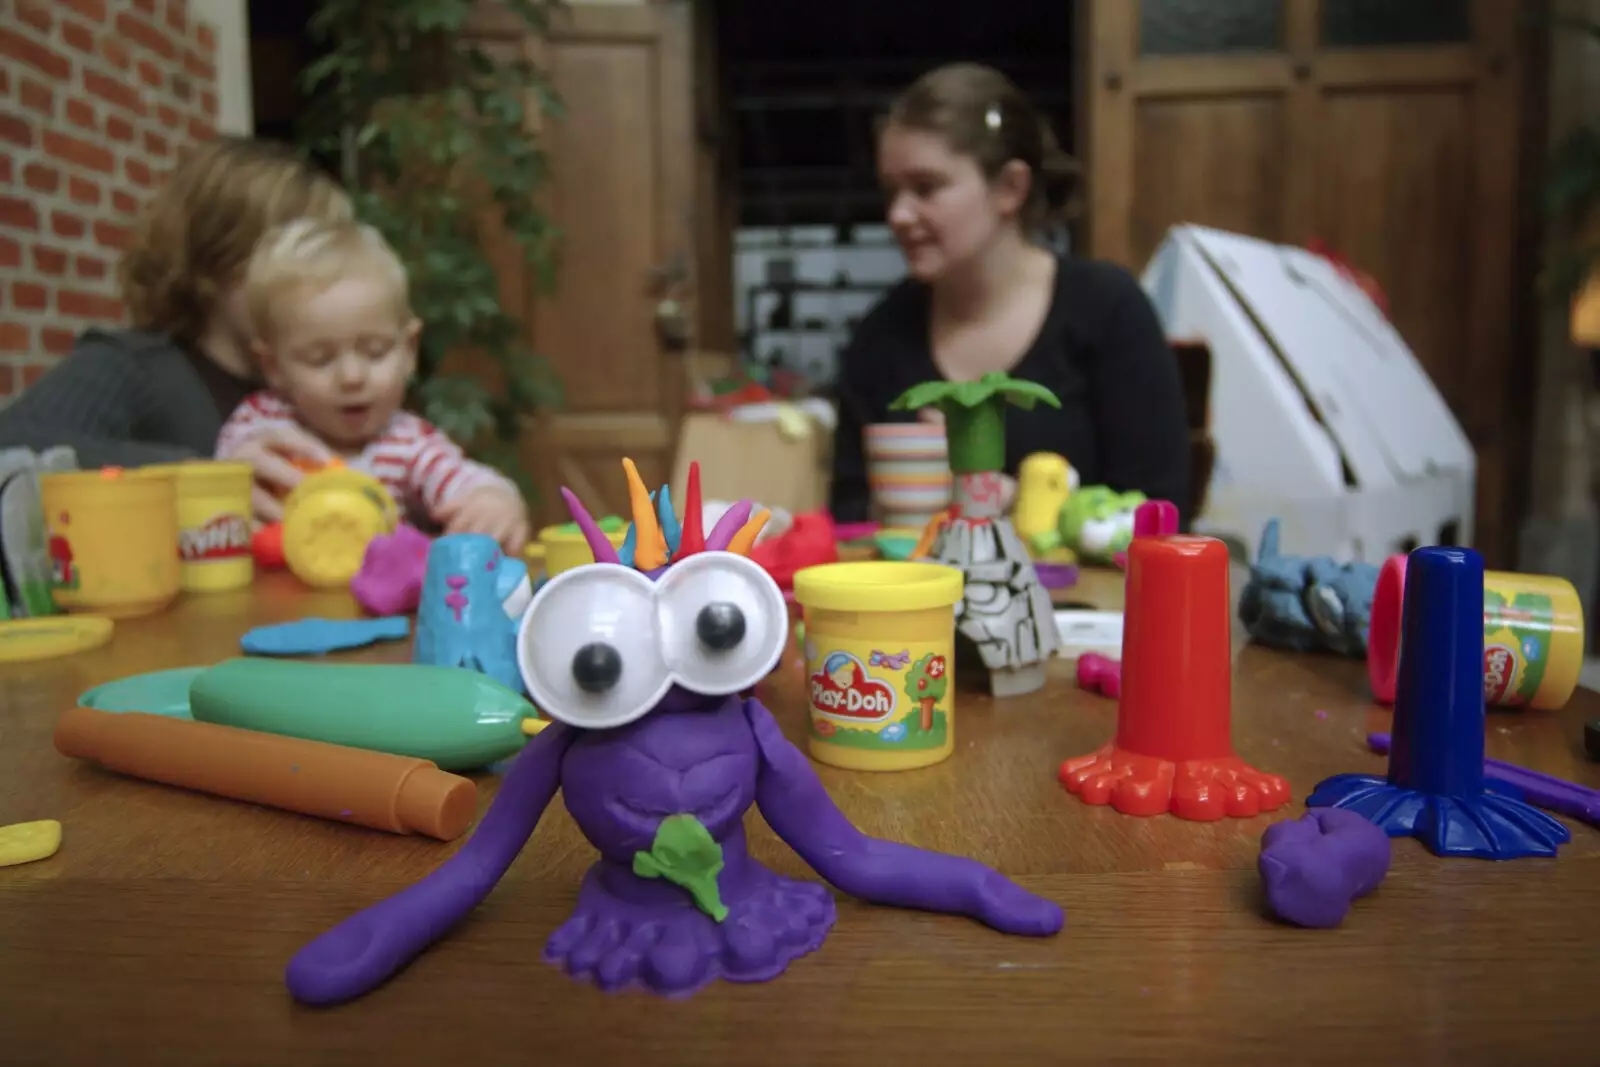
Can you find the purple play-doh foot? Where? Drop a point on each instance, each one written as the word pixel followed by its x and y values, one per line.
pixel 629 931
pixel 390 579
pixel 1314 867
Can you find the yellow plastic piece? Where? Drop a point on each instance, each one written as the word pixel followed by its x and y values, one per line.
pixel 26 640
pixel 329 520
pixel 213 523
pixel 113 541
pixel 531 727
pixel 793 423
pixel 1044 482
pixel 25 842
pixel 867 628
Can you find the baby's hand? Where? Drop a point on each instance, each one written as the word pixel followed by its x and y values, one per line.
pixel 274 454
pixel 495 510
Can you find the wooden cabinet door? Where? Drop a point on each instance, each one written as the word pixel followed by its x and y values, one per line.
pixel 621 192
pixel 1389 130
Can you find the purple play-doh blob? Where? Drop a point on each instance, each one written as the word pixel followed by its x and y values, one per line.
pixel 1314 867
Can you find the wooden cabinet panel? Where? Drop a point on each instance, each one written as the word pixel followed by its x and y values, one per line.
pixel 1394 194
pixel 1217 162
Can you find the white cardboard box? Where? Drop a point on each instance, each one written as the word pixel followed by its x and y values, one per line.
pixel 1322 416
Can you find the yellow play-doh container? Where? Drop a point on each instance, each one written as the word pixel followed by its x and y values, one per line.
pixel 113 541
pixel 213 524
pixel 880 662
pixel 328 521
pixel 560 548
pixel 1533 637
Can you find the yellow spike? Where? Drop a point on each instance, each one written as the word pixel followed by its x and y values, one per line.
pixel 746 537
pixel 649 543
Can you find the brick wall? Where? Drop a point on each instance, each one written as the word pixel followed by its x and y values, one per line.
pixel 95 98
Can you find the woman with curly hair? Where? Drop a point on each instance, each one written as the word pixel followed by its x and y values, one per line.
pixel 159 391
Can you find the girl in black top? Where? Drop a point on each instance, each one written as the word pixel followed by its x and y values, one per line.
pixel 964 160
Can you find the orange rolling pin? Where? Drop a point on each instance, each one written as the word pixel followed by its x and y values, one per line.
pixel 400 794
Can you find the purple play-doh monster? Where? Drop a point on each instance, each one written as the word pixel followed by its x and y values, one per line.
pixel 658 759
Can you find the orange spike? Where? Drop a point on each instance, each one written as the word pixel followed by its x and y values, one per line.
pixel 745 539
pixel 650 544
pixel 929 533
pixel 693 538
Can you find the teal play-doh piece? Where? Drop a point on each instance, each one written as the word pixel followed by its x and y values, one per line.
pixel 157 693
pixel 893 545
pixel 459 719
pixel 317 637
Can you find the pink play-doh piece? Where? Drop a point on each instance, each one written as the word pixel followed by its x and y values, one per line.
pixel 1100 674
pixel 390 579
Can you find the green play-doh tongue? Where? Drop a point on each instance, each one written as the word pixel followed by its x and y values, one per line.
pixel 685 854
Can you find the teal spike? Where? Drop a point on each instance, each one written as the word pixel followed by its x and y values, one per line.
pixel 669 522
pixel 625 553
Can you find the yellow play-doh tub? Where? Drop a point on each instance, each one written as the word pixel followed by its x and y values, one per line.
pixel 328 521
pixel 113 541
pixel 213 523
pixel 880 662
pixel 561 548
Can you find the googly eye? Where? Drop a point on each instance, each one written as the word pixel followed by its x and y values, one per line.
pixel 588 647
pixel 723 622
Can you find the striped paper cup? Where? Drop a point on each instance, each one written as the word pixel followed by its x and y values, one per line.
pixel 908 469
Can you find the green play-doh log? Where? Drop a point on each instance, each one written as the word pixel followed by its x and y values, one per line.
pixel 457 718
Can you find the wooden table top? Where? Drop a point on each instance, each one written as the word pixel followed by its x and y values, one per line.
pixel 159 932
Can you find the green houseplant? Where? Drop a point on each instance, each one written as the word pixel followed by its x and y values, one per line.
pixel 432 134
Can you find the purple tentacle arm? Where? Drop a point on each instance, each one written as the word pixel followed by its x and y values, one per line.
pixel 798 808
pixel 371 946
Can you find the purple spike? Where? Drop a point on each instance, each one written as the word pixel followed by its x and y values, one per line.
pixel 604 551
pixel 730 524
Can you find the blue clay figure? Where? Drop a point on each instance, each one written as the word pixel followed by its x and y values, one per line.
pixel 1307 605
pixel 1435 790
pixel 473 596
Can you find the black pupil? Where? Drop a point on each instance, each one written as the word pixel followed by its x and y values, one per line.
pixel 720 627
pixel 596 668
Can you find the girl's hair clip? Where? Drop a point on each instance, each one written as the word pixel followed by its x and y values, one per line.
pixel 991 118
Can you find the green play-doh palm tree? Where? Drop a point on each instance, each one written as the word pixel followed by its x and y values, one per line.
pixel 1012 627
pixel 975 415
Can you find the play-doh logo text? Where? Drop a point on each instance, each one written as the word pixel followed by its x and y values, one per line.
pixel 224 537
pixel 1499 671
pixel 844 690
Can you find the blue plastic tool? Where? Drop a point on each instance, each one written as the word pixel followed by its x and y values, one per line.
pixel 1435 790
